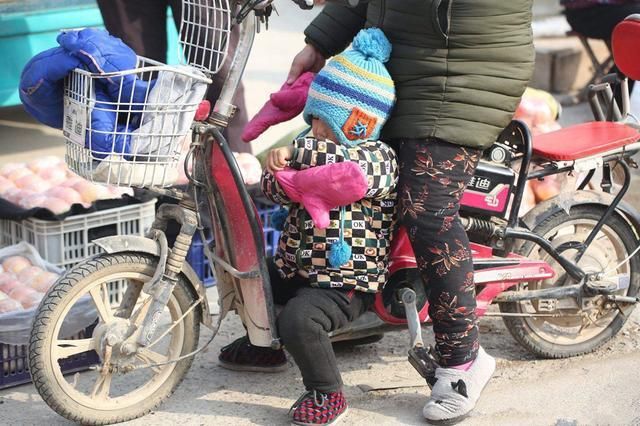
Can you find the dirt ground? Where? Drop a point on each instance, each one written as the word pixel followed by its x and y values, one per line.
pixel 595 389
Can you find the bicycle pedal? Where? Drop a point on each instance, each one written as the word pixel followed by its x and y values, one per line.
pixel 423 360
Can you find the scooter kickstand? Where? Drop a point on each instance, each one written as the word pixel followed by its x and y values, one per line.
pixel 420 357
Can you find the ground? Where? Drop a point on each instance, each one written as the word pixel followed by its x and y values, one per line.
pixel 600 388
pixel 596 389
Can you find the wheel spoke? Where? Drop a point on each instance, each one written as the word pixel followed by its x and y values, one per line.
pixel 102 386
pixel 102 306
pixel 65 348
pixel 151 357
pixel 141 312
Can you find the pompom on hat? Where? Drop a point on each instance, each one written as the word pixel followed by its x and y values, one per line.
pixel 354 93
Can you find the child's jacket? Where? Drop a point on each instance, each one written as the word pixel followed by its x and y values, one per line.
pixel 367 227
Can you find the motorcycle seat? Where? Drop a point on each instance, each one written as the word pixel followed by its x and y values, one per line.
pixel 584 140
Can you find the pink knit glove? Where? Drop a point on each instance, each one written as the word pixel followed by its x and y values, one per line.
pixel 322 188
pixel 282 106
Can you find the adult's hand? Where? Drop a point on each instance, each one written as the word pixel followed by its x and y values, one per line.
pixel 308 59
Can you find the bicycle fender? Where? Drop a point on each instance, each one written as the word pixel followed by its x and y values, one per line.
pixel 134 243
pixel 546 208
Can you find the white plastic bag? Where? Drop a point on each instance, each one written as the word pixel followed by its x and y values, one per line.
pixel 15 327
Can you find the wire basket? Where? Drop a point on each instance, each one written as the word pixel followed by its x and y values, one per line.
pixel 205 30
pixel 129 128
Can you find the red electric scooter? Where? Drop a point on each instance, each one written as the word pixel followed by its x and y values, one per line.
pixel 565 276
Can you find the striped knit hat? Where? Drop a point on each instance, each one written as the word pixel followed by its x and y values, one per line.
pixel 354 94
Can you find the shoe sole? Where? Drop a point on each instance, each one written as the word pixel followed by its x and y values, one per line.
pixel 447 422
pixel 252 368
pixel 333 422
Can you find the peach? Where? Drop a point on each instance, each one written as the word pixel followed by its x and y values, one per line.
pixel 56 205
pixel 15 264
pixel 9 305
pixel 43 281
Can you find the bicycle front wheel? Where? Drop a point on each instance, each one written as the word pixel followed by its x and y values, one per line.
pixel 122 386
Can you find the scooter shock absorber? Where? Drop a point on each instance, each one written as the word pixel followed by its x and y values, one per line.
pixel 479 226
pixel 183 214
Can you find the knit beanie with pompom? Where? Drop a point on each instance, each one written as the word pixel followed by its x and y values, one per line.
pixel 354 94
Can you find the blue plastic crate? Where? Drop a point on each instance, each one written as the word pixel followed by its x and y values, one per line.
pixel 199 262
pixel 14 365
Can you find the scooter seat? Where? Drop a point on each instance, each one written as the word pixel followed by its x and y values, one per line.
pixel 584 140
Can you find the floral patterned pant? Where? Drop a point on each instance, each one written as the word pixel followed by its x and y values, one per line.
pixel 433 176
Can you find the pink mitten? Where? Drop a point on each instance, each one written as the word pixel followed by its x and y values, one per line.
pixel 320 189
pixel 282 106
pixel 286 180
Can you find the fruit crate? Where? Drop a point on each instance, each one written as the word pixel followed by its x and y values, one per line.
pixel 67 242
pixel 198 261
pixel 14 364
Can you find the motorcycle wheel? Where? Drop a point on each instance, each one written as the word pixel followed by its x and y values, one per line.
pixel 115 392
pixel 576 329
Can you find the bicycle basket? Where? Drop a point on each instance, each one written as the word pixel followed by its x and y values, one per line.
pixel 205 30
pixel 128 128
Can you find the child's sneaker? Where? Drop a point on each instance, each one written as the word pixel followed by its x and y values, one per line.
pixel 317 408
pixel 241 355
pixel 456 392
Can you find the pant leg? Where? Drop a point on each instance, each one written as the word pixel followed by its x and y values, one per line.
pixel 240 119
pixel 141 24
pixel 283 289
pixel 303 326
pixel 433 176
pixel 598 21
pixel 234 131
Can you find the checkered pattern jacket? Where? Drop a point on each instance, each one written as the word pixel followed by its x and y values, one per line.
pixel 368 223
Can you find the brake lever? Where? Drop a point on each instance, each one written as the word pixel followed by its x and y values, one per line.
pixel 259 6
pixel 263 16
pixel 304 4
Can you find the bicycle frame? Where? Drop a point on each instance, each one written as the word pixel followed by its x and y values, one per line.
pixel 238 257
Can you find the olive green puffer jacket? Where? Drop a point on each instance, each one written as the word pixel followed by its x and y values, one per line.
pixel 460 66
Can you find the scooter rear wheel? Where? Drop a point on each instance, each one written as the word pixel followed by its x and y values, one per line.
pixel 577 329
pixel 130 385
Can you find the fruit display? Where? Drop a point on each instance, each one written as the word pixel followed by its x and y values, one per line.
pixel 539 111
pixel 249 165
pixel 48 183
pixel 22 284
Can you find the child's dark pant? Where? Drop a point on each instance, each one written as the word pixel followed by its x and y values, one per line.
pixel 308 315
pixel 433 176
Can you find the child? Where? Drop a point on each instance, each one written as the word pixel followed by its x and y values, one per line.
pixel 328 268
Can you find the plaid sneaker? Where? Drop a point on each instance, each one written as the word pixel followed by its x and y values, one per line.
pixel 241 355
pixel 317 408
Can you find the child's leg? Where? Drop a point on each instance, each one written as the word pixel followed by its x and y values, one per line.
pixel 241 355
pixel 303 326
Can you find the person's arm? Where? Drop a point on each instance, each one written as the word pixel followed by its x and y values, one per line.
pixel 273 190
pixel 334 28
pixel 376 159
pixel 328 34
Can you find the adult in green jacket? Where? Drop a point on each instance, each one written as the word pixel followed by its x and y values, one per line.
pixel 460 68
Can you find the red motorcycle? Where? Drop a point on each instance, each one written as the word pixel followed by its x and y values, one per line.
pixel 565 276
